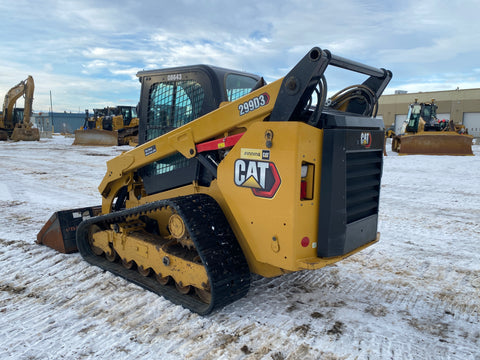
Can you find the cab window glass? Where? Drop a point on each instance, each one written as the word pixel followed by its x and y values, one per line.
pixel 171 105
pixel 238 86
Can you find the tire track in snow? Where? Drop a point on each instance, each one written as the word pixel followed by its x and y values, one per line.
pixel 409 296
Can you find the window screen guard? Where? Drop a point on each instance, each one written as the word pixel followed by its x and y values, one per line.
pixel 171 105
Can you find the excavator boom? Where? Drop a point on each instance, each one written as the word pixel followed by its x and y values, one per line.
pixel 20 129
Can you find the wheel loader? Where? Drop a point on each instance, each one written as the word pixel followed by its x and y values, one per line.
pixel 15 123
pixel 424 134
pixel 234 176
pixel 108 127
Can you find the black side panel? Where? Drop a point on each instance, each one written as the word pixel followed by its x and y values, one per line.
pixel 352 163
pixel 192 170
pixel 172 179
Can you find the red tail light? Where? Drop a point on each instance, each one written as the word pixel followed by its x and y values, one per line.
pixel 303 189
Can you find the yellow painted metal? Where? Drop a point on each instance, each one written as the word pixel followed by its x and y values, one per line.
pixel 270 230
pixel 316 262
pixel 176 226
pixel 150 251
pixel 418 139
pixel 95 137
pixel 23 130
pixel 433 143
pixel 98 136
pixel 213 125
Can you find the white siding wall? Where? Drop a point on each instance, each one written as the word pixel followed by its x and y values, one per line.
pixel 472 123
pixel 399 119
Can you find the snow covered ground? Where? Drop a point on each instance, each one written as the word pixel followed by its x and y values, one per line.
pixel 414 295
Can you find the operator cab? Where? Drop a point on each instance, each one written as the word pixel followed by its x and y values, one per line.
pixel 174 97
pixel 18 115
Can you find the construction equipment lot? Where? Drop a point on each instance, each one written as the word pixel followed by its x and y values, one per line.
pixel 414 295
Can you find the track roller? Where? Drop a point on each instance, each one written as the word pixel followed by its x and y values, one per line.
pixel 182 248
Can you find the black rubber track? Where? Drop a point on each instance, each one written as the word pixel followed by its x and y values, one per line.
pixel 226 266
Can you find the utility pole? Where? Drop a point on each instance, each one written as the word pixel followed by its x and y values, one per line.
pixel 51 110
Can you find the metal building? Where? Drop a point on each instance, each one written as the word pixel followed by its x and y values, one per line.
pixel 62 122
pixel 462 106
pixel 43 122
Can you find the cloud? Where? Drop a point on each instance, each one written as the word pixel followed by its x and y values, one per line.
pixel 88 52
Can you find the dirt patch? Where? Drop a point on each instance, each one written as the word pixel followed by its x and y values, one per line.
pixel 225 339
pixel 97 154
pixel 291 308
pixel 87 329
pixel 335 304
pixel 317 315
pixel 337 329
pixel 302 329
pixel 277 356
pixel 11 203
pixel 245 350
pixel 20 218
pixel 13 289
pixel 377 310
pixel 436 328
pixel 5 243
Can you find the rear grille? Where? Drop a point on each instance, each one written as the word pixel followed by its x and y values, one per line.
pixel 364 171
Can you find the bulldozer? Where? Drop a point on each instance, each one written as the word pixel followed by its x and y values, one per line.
pixel 424 134
pixel 233 177
pixel 109 127
pixel 15 122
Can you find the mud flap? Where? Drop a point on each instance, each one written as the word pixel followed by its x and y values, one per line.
pixel 96 137
pixel 59 232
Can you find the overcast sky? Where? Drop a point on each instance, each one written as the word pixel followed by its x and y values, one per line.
pixel 87 52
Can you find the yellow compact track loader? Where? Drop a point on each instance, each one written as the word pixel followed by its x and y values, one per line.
pixel 15 123
pixel 108 127
pixel 232 177
pixel 424 134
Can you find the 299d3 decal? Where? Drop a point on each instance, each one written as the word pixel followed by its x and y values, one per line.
pixel 253 104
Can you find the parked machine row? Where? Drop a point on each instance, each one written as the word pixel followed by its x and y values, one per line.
pixel 108 127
